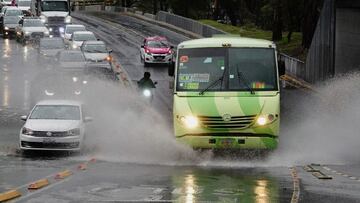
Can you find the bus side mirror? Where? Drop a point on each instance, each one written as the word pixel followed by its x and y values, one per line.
pixel 281 67
pixel 171 69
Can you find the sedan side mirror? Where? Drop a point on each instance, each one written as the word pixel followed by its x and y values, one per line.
pixel 155 83
pixel 23 118
pixel 110 50
pixel 88 119
pixel 142 46
pixel 171 47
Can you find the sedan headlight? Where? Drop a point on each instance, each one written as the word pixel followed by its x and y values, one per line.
pixel 6 28
pixel 43 19
pixel 265 119
pixel 74 46
pixel 74 132
pixel 47 33
pixel 68 19
pixel 190 121
pixel 27 32
pixel 27 131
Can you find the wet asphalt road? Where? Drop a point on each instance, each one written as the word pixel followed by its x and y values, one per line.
pixel 170 174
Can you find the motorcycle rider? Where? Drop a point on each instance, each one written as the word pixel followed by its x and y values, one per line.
pixel 146 82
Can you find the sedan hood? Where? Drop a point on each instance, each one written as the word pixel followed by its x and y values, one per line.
pixel 95 56
pixel 73 65
pixel 49 52
pixel 35 29
pixel 54 14
pixel 12 19
pixel 158 50
pixel 51 125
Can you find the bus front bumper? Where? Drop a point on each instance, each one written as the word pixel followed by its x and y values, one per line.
pixel 229 142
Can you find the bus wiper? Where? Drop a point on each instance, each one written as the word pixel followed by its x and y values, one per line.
pixel 244 81
pixel 212 84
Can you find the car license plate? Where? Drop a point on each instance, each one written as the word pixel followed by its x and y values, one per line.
pixel 227 142
pixel 49 140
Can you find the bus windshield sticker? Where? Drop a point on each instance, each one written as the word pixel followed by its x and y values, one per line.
pixel 258 85
pixel 184 59
pixel 192 86
pixel 208 60
pixel 194 77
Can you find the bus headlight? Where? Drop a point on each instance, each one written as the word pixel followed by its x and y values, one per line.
pixel 190 121
pixel 265 119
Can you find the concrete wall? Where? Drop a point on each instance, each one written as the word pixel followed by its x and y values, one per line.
pixel 347 43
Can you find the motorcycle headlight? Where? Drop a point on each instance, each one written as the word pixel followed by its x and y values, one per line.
pixel 147 93
pixel 68 19
pixel 190 121
pixel 265 119
pixel 108 58
pixel 74 132
pixel 27 131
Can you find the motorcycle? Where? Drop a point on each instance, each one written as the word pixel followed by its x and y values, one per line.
pixel 147 93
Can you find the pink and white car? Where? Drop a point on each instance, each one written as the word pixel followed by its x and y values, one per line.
pixel 156 50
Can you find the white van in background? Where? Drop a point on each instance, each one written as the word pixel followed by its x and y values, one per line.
pixel 55 14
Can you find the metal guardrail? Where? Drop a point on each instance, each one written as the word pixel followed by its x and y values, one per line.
pixel 188 24
pixel 293 66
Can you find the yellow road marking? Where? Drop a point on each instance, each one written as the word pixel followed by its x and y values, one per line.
pixel 8 195
pixel 296 190
pixel 63 174
pixel 38 184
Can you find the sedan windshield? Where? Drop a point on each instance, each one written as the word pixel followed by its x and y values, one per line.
pixel 71 30
pixel 54 6
pixel 84 37
pixel 24 3
pixel 95 48
pixel 13 12
pixel 11 20
pixel 33 23
pixel 158 44
pixel 51 44
pixel 227 69
pixel 60 112
pixel 72 57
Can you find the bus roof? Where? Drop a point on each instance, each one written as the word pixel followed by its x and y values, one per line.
pixel 227 41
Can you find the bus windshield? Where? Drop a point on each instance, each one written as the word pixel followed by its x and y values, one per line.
pixel 226 69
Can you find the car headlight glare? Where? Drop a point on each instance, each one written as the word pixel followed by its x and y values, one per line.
pixel 46 32
pixel 27 131
pixel 147 93
pixel 74 46
pixel 6 28
pixel 265 119
pixel 108 58
pixel 27 32
pixel 68 19
pixel 190 121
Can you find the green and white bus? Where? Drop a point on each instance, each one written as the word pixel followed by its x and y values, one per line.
pixel 226 93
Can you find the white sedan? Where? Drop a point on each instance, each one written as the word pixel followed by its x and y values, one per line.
pixel 78 37
pixel 54 125
pixel 69 30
